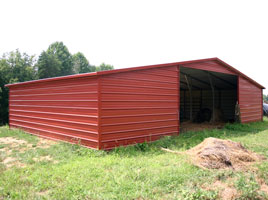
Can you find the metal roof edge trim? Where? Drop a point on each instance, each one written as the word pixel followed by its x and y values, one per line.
pixel 154 66
pixel 134 69
pixel 53 79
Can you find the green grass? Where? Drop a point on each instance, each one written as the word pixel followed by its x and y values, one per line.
pixel 142 171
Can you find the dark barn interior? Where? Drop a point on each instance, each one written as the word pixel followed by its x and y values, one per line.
pixel 207 96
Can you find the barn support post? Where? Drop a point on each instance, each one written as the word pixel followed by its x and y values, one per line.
pixel 213 98
pixel 262 105
pixel 238 89
pixel 237 106
pixel 219 103
pixel 8 108
pixel 190 94
pixel 179 99
pixel 201 99
pixel 99 113
pixel 184 104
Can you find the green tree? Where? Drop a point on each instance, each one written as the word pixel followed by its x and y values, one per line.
pixel 265 98
pixel 48 65
pixel 62 53
pixel 14 67
pixel 81 64
pixel 5 75
pixel 104 67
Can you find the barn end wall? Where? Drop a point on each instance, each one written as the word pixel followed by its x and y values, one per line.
pixel 250 100
pixel 139 106
pixel 61 109
pixel 212 65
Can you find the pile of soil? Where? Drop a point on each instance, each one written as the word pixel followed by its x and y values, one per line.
pixel 215 153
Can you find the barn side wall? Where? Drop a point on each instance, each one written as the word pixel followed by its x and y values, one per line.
pixel 250 100
pixel 64 109
pixel 139 106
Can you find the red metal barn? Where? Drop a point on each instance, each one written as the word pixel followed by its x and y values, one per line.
pixel 102 110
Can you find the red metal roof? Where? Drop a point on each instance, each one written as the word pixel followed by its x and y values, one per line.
pixel 139 68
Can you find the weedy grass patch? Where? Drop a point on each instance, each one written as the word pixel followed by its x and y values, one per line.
pixel 142 171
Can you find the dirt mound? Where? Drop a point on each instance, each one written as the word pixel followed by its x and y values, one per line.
pixel 215 153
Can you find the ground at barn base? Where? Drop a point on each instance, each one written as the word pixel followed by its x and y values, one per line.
pixel 44 169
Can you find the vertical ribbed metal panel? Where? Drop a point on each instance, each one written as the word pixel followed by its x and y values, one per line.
pixel 60 109
pixel 213 66
pixel 250 100
pixel 139 106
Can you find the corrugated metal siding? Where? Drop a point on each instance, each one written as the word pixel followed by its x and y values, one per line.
pixel 250 100
pixel 139 106
pixel 121 107
pixel 64 109
pixel 213 66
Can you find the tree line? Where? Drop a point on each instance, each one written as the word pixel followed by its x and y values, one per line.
pixel 265 98
pixel 16 66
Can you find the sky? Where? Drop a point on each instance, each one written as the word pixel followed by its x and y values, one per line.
pixel 137 33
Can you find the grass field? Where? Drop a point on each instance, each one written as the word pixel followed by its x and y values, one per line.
pixel 51 170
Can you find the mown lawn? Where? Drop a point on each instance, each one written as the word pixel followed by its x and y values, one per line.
pixel 144 171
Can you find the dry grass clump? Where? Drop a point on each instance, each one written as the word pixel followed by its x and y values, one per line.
pixel 191 126
pixel 215 153
pixel 20 145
